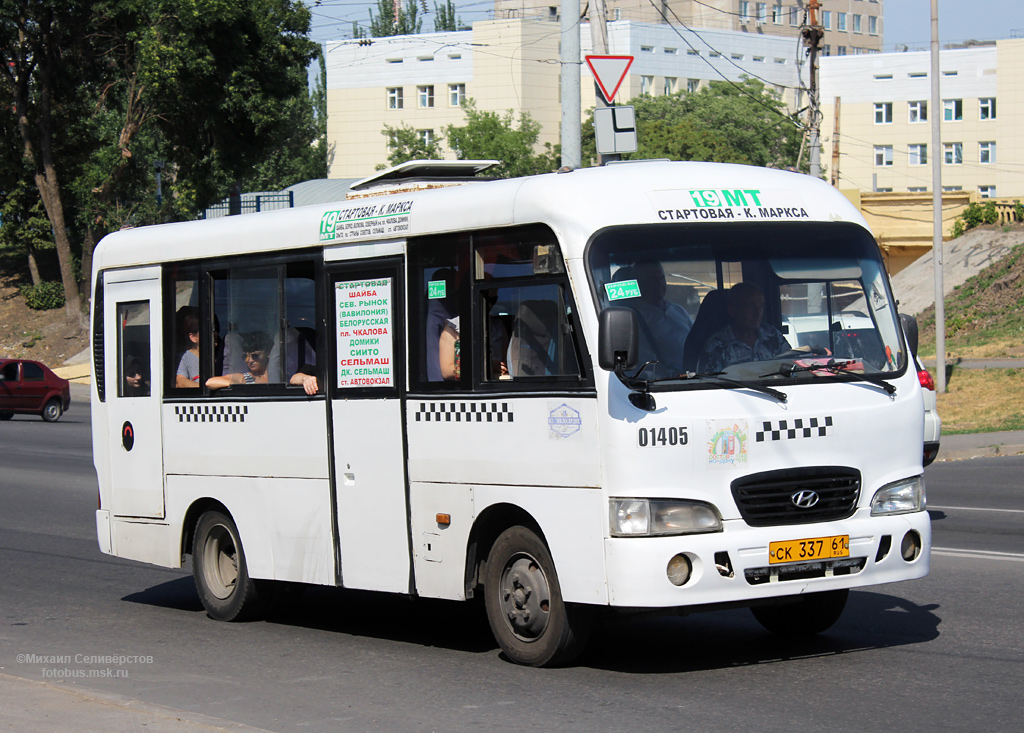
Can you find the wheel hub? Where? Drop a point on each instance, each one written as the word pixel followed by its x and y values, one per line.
pixel 525 597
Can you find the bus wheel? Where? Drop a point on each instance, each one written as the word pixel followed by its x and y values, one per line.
pixel 524 603
pixel 53 410
pixel 218 565
pixel 6 415
pixel 807 615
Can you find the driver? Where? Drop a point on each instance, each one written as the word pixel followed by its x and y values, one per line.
pixel 745 338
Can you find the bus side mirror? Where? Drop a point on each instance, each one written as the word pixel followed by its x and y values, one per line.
pixel 909 324
pixel 618 340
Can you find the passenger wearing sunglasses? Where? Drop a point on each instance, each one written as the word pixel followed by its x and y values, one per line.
pixel 256 352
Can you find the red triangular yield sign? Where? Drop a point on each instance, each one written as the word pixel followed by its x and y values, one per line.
pixel 609 71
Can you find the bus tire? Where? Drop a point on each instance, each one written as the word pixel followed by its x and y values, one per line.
pixel 808 615
pixel 528 618
pixel 53 410
pixel 6 415
pixel 219 569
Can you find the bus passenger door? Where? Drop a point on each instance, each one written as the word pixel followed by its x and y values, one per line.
pixel 368 437
pixel 132 366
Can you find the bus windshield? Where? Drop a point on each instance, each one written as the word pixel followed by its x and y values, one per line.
pixel 754 302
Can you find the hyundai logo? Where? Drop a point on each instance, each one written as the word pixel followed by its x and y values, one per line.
pixel 805 499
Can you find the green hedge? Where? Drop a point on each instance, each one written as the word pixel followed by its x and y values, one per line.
pixel 44 296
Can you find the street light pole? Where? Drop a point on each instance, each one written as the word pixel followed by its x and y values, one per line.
pixel 572 144
pixel 940 297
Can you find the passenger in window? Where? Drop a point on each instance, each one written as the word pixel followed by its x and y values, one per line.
pixel 745 338
pixel 256 353
pixel 449 351
pixel 187 326
pixel 306 379
pixel 663 324
pixel 442 314
pixel 135 385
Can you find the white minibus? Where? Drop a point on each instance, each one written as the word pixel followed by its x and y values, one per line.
pixel 569 393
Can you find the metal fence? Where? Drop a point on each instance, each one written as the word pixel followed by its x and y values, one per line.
pixel 253 203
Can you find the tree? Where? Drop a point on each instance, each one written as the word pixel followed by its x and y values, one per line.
pixel 304 155
pixel 488 135
pixel 45 61
pixel 723 122
pixel 102 89
pixel 444 17
pixel 385 23
pixel 406 143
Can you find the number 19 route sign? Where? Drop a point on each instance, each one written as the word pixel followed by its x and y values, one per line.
pixel 609 72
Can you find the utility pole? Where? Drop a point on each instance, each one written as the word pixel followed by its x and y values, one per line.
pixel 940 295
pixel 572 153
pixel 599 40
pixel 835 143
pixel 812 34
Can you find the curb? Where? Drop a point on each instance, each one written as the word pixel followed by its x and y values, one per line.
pixel 985 451
pixel 32 705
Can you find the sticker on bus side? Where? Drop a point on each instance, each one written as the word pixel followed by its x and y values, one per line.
pixel 728 204
pixel 727 443
pixel 368 220
pixel 363 333
pixel 563 421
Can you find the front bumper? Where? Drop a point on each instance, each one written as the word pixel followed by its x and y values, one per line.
pixel 732 566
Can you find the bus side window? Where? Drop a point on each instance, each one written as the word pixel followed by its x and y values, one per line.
pixel 133 346
pixel 438 296
pixel 182 323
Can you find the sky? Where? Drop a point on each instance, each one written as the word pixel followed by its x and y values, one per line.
pixel 905 22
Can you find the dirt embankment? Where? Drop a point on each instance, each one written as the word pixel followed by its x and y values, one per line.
pixel 41 335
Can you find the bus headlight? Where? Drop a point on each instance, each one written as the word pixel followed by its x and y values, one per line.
pixel 659 517
pixel 901 497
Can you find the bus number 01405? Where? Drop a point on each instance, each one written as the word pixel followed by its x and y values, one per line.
pixel 661 436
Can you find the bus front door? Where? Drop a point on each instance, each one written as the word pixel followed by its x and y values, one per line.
pixel 131 326
pixel 368 437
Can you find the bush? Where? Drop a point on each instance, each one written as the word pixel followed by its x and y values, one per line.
pixel 44 296
pixel 976 214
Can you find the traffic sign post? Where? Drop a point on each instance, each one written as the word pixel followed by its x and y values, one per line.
pixel 615 130
pixel 609 73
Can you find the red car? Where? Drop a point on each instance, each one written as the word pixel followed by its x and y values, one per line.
pixel 30 388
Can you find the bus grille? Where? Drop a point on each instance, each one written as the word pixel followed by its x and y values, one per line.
pixel 797 495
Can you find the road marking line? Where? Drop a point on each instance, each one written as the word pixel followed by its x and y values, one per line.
pixel 978 554
pixel 977 509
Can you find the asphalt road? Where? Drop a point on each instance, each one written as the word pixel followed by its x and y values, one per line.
pixel 945 652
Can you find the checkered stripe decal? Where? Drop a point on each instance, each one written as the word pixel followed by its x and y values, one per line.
pixel 211 413
pixel 464 412
pixel 789 429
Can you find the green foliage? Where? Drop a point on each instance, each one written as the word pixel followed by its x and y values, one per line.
pixel 444 17
pixel 216 90
pixel 488 135
pixel 975 215
pixel 722 122
pixel 406 143
pixel 384 23
pixel 44 296
pixel 485 136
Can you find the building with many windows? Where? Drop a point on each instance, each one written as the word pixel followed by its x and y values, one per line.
pixel 884 110
pixel 513 64
pixel 851 26
pixel 883 103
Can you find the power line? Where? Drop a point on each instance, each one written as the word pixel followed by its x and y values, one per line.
pixel 729 81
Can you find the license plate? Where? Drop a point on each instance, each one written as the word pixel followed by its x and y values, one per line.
pixel 818 548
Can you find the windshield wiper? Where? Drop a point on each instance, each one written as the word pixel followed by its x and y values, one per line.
pixel 835 368
pixel 642 398
pixel 729 383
